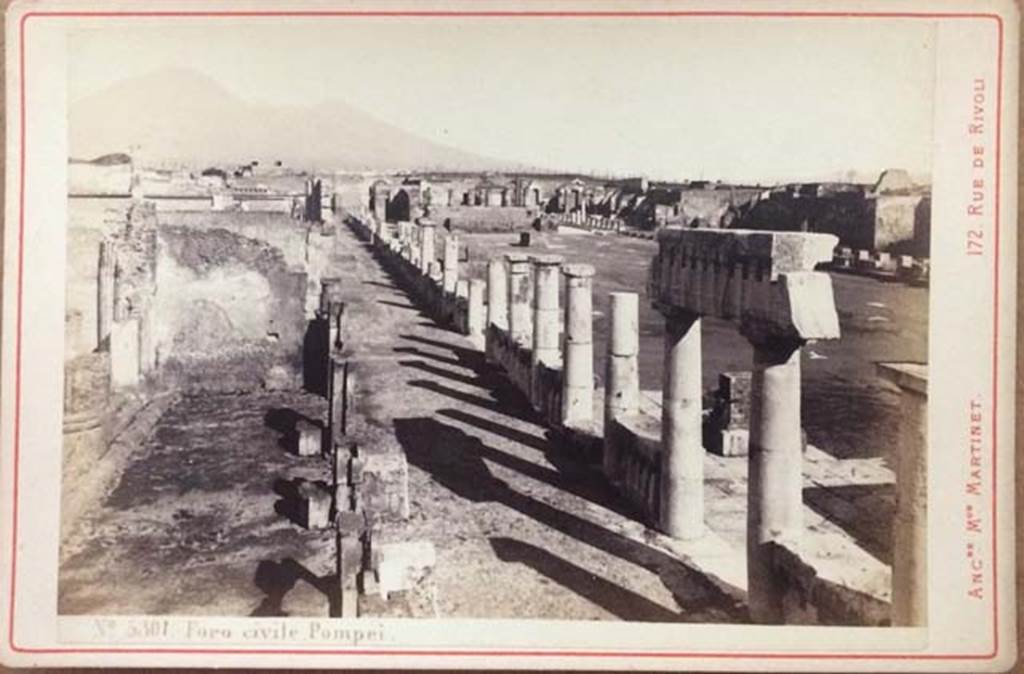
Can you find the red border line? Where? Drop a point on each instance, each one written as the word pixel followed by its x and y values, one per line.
pixel 507 14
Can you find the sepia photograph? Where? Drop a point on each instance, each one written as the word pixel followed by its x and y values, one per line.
pixel 498 334
pixel 563 329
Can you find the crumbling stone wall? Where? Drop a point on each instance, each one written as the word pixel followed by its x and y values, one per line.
pixel 135 277
pixel 231 312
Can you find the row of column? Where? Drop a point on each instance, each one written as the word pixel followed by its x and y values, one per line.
pixel 523 295
pixel 522 298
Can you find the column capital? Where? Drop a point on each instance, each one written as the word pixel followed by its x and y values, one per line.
pixel 774 350
pixel 425 222
pixel 578 270
pixel 547 260
pixel 674 313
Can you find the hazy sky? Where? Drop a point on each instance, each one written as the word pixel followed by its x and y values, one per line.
pixel 770 99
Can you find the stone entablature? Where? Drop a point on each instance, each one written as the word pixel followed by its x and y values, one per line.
pixel 765 281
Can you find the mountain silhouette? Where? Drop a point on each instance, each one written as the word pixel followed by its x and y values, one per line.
pixel 180 115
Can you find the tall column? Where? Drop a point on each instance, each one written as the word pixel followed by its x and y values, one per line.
pixel 546 348
pixel 578 370
pixel 519 319
pixel 426 245
pixel 105 291
pixel 774 491
pixel 497 294
pixel 682 452
pixel 910 535
pixel 622 377
pixel 451 263
pixel 475 317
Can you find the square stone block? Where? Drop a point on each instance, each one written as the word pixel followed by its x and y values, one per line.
pixel 382 481
pixel 735 441
pixel 309 438
pixel 734 391
pixel 401 566
pixel 314 510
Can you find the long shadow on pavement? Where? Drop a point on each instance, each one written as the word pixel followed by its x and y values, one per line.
pixel 619 601
pixel 455 460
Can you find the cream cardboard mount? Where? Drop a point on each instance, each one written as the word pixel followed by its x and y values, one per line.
pixel 556 335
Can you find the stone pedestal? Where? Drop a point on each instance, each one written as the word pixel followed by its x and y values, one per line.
pixel 520 323
pixel 622 376
pixel 775 489
pixel 682 452
pixel 910 527
pixel 578 367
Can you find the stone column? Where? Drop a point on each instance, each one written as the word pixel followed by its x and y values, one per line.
pixel 426 245
pixel 546 349
pixel 105 292
pixel 910 526
pixel 775 488
pixel 578 370
pixel 682 452
pixel 497 294
pixel 475 317
pixel 622 377
pixel 451 263
pixel 519 318
pixel 545 309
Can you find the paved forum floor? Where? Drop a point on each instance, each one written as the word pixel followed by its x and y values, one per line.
pixel 196 523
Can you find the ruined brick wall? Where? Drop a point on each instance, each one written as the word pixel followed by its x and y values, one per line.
pixel 277 229
pixel 894 220
pixel 231 312
pixel 711 206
